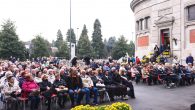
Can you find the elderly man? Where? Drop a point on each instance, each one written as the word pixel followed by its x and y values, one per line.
pixel 88 87
pixel 190 59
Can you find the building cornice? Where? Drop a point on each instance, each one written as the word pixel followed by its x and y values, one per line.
pixel 134 3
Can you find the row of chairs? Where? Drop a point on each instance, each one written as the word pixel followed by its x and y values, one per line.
pixel 22 101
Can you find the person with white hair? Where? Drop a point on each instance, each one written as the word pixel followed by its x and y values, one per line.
pixel 88 87
pixel 51 76
pixel 3 80
pixel 11 91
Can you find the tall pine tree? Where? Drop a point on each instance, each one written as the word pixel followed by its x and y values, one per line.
pixel 120 49
pixel 97 43
pixel 84 45
pixel 72 34
pixel 131 48
pixel 9 42
pixel 63 51
pixel 110 44
pixel 59 41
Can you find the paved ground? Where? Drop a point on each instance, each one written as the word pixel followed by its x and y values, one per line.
pixel 158 98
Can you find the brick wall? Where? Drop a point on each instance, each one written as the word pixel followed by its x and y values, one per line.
pixel 143 41
pixel 192 36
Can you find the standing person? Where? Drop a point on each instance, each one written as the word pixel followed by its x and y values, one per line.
pixel 46 90
pixel 156 50
pixel 88 87
pixel 30 90
pixel 190 59
pixel 75 85
pixel 162 48
pixel 61 89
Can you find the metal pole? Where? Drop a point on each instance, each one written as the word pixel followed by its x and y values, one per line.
pixel 70 31
pixel 77 52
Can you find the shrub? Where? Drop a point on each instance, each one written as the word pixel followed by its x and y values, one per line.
pixel 114 106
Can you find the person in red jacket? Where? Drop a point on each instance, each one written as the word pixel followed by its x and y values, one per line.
pixel 30 90
pixel 137 60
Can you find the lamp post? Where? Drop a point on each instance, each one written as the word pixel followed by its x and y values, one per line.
pixel 70 31
pixel 77 39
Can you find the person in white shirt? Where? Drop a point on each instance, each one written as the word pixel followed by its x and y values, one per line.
pixel 38 78
pixel 51 76
pixel 11 91
pixel 88 87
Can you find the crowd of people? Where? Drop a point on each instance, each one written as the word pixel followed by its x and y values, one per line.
pixel 43 78
pixel 48 77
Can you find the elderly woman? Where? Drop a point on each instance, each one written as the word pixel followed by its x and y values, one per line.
pixel 11 91
pixel 51 76
pixel 46 90
pixel 38 77
pixel 145 73
pixel 75 85
pixel 61 89
pixel 30 90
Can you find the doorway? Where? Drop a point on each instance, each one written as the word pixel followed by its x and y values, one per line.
pixel 165 40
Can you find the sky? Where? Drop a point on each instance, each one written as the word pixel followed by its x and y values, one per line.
pixel 45 17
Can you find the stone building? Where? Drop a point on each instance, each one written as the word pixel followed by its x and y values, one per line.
pixel 167 22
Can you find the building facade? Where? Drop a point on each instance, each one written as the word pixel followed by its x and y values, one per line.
pixel 167 22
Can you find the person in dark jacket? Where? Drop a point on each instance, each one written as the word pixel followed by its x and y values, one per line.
pixel 122 89
pixel 46 90
pixel 156 50
pixel 110 86
pixel 75 86
pixel 127 83
pixel 60 89
pixel 190 59
pixel 74 61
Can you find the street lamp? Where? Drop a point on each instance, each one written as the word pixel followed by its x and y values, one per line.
pixel 70 31
pixel 77 39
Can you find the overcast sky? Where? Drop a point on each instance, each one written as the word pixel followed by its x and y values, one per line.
pixel 45 17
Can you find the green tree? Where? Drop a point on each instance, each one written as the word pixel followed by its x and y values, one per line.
pixel 110 44
pixel 105 48
pixel 131 48
pixel 97 43
pixel 9 42
pixel 120 49
pixel 63 51
pixel 40 47
pixel 84 45
pixel 73 36
pixel 59 41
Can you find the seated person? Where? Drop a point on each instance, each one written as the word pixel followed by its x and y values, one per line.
pixel 75 85
pixel 30 90
pixel 145 73
pixel 11 91
pixel 61 90
pixel 46 90
pixel 110 86
pixel 88 87
pixel 118 80
pixel 38 77
pixel 98 83
pixel 127 83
